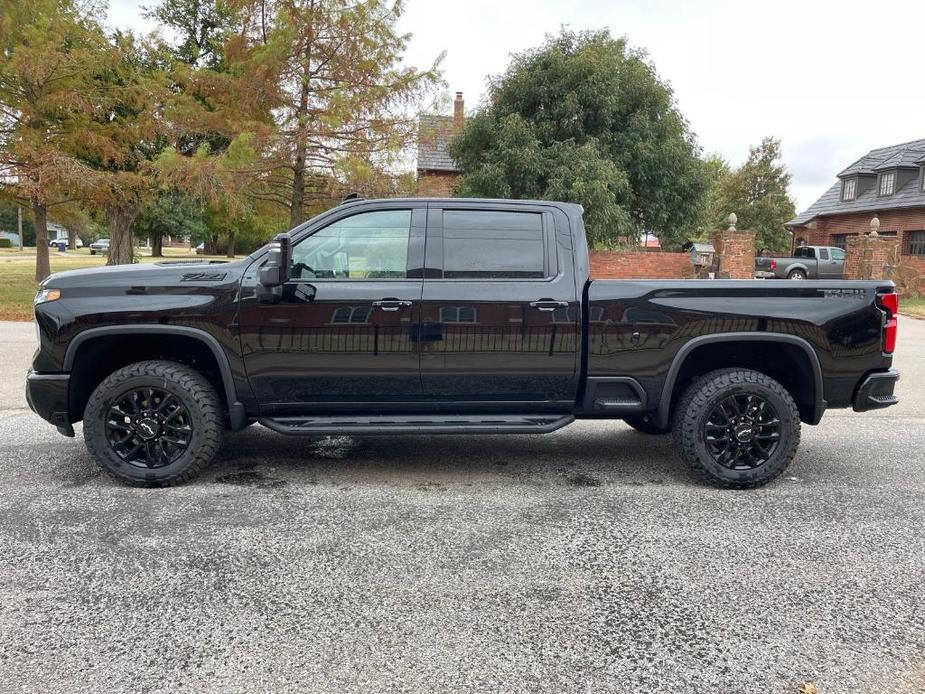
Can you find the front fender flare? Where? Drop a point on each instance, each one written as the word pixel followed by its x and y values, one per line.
pixel 236 411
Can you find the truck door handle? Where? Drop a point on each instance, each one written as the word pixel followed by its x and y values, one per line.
pixel 548 304
pixel 391 304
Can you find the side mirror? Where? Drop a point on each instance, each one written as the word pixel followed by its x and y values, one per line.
pixel 275 271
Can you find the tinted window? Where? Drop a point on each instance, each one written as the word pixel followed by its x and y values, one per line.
pixel 823 254
pixel 804 252
pixel 493 245
pixel 371 245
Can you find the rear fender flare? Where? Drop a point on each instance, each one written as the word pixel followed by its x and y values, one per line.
pixel 664 404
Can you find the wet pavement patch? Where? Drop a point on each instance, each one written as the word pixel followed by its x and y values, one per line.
pixel 251 478
pixel 581 480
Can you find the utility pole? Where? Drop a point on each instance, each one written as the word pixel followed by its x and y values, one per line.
pixel 19 224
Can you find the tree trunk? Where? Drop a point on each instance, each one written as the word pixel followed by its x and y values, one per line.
pixel 121 242
pixel 229 246
pixel 42 264
pixel 298 168
pixel 298 192
pixel 157 244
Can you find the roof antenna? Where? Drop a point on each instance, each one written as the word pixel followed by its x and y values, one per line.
pixel 351 197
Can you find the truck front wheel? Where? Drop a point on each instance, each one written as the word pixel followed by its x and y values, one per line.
pixel 153 423
pixel 737 428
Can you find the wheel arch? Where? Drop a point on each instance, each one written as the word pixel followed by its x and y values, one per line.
pixel 225 384
pixel 811 398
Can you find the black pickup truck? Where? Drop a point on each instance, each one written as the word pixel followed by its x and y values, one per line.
pixel 431 316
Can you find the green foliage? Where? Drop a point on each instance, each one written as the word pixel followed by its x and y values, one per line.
pixel 585 119
pixel 758 193
pixel 171 213
pixel 6 243
pixel 9 222
pixel 201 27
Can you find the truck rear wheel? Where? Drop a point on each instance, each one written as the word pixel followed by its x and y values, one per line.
pixel 737 428
pixel 797 275
pixel 645 424
pixel 153 423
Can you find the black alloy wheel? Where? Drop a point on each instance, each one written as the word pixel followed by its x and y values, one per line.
pixel 737 428
pixel 742 431
pixel 154 423
pixel 148 427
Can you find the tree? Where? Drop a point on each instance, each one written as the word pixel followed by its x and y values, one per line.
pixel 758 193
pixel 124 135
pixel 341 91
pixel 584 118
pixel 169 213
pixel 48 48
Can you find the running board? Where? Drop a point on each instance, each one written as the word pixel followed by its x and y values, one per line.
pixel 418 424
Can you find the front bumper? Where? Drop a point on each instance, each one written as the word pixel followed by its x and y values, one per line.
pixel 47 397
pixel 876 391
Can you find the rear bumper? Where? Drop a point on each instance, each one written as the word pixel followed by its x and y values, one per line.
pixel 47 397
pixel 876 391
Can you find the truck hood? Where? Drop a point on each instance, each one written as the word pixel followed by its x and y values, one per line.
pixel 148 274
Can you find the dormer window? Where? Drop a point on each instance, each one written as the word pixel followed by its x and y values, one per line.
pixel 848 189
pixel 887 183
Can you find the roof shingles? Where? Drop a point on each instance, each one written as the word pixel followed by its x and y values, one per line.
pixel 434 133
pixel 906 155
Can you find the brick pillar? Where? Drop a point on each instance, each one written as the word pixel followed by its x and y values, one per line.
pixel 871 257
pixel 735 254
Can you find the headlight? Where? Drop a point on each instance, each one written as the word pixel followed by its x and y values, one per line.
pixel 45 295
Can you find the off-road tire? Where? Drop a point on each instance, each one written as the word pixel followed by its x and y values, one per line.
pixel 194 392
pixel 697 403
pixel 645 424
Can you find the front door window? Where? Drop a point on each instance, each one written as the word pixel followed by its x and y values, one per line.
pixel 371 245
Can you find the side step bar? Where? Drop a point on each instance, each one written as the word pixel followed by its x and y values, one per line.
pixel 418 424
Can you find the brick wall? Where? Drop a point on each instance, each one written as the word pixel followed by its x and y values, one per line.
pixel 735 252
pixel 611 265
pixel 878 258
pixel 900 221
pixel 436 184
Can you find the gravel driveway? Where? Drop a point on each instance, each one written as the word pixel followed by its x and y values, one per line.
pixel 584 561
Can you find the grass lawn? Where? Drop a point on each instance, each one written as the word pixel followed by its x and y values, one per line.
pixel 912 307
pixel 18 285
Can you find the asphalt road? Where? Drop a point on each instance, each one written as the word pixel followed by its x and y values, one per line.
pixel 583 561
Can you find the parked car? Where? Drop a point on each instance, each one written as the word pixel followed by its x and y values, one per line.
pixel 448 317
pixel 807 262
pixel 77 242
pixel 201 249
pixel 99 246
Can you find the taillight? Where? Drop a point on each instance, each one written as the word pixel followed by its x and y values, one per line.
pixel 773 264
pixel 890 304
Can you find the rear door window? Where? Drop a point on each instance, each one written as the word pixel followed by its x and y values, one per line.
pixel 488 244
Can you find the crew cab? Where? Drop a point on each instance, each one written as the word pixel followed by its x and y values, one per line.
pixel 448 316
pixel 807 262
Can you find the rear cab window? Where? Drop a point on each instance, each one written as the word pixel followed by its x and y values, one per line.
pixel 470 244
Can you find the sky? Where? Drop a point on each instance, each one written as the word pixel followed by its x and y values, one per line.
pixel 830 79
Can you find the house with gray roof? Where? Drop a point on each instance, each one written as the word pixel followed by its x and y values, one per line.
pixel 437 173
pixel 888 183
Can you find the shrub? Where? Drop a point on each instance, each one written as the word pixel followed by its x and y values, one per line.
pixel 6 243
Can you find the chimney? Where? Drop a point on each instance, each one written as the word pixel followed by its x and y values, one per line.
pixel 458 113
